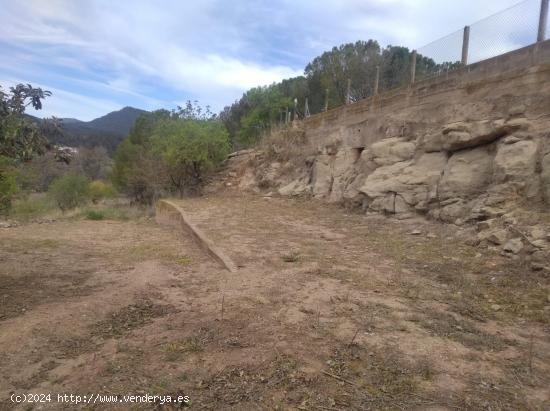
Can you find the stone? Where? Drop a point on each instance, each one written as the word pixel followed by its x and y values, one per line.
pixel 413 181
pixel 537 233
pixel 415 232
pixel 461 135
pixel 322 176
pixel 391 150
pixel 515 162
pixel 343 173
pixel 514 246
pixel 466 174
pixel 294 188
pixel 510 140
pixel 486 224
pixel 497 237
pixel 495 307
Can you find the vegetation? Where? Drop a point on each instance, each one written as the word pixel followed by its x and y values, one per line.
pixel 69 191
pixel 169 152
pixel 261 107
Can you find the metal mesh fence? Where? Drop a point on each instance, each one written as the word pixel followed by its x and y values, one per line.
pixel 505 31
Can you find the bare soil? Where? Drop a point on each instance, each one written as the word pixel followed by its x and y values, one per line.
pixel 329 310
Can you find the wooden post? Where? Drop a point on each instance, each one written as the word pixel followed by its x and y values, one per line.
pixel 306 110
pixel 348 92
pixel 295 110
pixel 413 66
pixel 326 100
pixel 543 19
pixel 465 45
pixel 287 116
pixel 376 80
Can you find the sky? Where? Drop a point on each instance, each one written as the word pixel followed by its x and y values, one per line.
pixel 98 56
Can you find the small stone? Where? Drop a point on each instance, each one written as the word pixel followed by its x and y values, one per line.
pixel 510 140
pixel 415 232
pixel 486 225
pixel 537 266
pixel 431 235
pixel 498 237
pixel 514 246
pixel 495 307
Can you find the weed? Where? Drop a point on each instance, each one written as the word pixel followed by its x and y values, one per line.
pixel 184 260
pixel 291 257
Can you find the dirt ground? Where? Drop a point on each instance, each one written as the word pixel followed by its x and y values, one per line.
pixel 329 310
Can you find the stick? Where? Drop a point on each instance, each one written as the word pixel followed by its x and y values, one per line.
pixel 337 377
pixel 353 339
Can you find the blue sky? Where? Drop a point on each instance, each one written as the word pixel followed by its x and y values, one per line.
pixel 99 56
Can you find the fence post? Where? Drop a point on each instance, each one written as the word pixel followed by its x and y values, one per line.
pixel 465 45
pixel 541 36
pixel 326 100
pixel 348 91
pixel 413 66
pixel 287 115
pixel 295 109
pixel 306 110
pixel 376 80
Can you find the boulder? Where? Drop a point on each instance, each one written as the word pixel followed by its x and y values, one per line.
pixel 413 181
pixel 496 237
pixel 391 150
pixel 343 173
pixel 321 179
pixel 294 188
pixel 515 162
pixel 461 135
pixel 467 173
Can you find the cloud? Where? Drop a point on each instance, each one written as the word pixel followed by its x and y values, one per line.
pixel 104 54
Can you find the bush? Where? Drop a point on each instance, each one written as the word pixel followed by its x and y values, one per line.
pixel 95 215
pixel 100 190
pixel 69 191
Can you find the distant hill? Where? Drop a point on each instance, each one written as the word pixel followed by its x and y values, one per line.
pixel 107 131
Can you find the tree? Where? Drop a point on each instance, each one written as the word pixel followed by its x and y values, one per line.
pixel 189 148
pixel 19 137
pixel 169 151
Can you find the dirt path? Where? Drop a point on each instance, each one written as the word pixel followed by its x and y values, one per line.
pixel 327 310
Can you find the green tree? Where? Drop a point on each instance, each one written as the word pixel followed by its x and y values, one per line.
pixel 189 148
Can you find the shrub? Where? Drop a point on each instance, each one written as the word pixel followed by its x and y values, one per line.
pixel 69 191
pixel 95 215
pixel 100 190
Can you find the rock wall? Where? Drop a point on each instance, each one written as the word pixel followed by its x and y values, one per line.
pixel 467 147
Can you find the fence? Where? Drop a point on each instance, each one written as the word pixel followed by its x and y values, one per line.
pixel 515 27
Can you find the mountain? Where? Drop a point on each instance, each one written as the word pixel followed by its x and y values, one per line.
pixel 107 131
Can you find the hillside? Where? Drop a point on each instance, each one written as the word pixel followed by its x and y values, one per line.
pixel 107 131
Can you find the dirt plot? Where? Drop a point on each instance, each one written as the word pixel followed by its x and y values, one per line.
pixel 328 310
